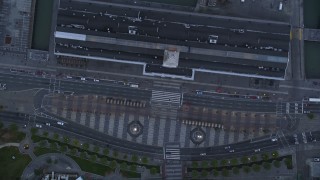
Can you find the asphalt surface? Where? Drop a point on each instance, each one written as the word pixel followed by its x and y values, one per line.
pixel 229 103
pixel 17 82
pixel 246 148
pixel 112 21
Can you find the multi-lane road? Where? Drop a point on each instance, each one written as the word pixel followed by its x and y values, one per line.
pixel 245 148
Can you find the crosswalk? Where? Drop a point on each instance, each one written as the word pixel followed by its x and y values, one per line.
pixel 165 97
pixel 172 151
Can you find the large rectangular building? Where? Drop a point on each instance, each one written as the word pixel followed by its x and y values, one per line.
pixel 172 44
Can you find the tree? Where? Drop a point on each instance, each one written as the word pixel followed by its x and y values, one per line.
pixel 235 170
pixel 104 160
pixel 266 165
pixel 145 160
pixel 106 152
pixel 133 167
pixel 1 125
pixel 45 133
pixel 37 171
pixel 34 131
pixel 153 171
pixel 276 163
pixel 55 136
pixel 115 154
pixel 265 156
pixel 63 148
pixel 134 158
pixel 96 149
pixel 42 143
pixel 288 162
pixel 234 161
pixel 215 172
pixel 256 168
pixel 310 116
pixel 204 173
pixel 204 164
pixel 13 127
pixel 93 157
pixel 214 163
pixel 85 146
pixel 83 155
pixel 223 162
pixel 113 164
pixel 254 158
pixel 194 174
pixel 49 160
pixel 246 169
pixel 275 154
pixel 225 172
pixel 244 160
pixel 76 142
pixel 54 146
pixel 73 151
pixel 123 166
pixel 195 164
pixel 66 139
pixel 125 156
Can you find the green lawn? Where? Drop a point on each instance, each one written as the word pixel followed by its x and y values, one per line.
pixel 191 3
pixel 9 136
pixel 91 167
pixel 39 151
pixel 12 169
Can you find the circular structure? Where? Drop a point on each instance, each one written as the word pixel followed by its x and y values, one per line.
pixel 197 135
pixel 135 128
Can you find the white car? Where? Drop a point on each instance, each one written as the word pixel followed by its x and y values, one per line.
pixel 60 123
pixel 257 150
pixel 96 80
pixel 48 124
pixel 231 151
pixel 203 154
pixel 316 159
pixel 227 147
pixel 274 139
pixel 38 125
pixel 82 79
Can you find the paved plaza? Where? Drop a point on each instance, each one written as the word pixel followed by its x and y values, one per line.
pixel 94 112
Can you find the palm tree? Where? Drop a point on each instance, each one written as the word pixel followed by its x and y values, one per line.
pixel 106 152
pixel 235 170
pixel 204 164
pixel 256 167
pixel 214 163
pixel 266 165
pixel 225 172
pixel 246 169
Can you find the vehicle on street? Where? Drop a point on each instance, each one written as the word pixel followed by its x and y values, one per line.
pixel 227 147
pixel 257 150
pixel 316 159
pixel 48 124
pixel 203 154
pixel 231 151
pixel 60 123
pixel 38 125
pixel 274 139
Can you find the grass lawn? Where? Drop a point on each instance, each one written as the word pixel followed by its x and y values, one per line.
pixel 191 3
pixel 12 169
pixel 91 167
pixel 130 174
pixel 39 151
pixel 8 136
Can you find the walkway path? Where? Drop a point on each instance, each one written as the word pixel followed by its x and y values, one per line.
pixel 9 144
